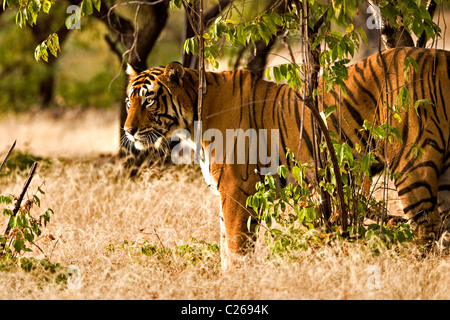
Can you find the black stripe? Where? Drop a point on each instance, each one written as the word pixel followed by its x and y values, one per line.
pixel 234 80
pixel 442 105
pixel 414 186
pixel 408 168
pixel 360 72
pixel 447 54
pixel 214 76
pixel 375 75
pixel 252 109
pixel 264 105
pixel 367 92
pixel 432 200
pixel 275 99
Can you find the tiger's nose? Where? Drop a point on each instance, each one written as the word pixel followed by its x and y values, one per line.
pixel 130 131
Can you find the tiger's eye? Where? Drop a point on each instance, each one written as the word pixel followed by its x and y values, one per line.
pixel 150 102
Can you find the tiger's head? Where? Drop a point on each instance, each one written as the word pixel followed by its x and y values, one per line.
pixel 157 104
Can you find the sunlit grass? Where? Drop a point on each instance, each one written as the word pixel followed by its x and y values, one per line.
pixel 156 236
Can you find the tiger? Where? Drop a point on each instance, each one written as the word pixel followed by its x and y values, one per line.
pixel 161 101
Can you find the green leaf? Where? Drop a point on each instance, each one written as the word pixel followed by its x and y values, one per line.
pixel 12 222
pixel 396 133
pixel 40 190
pixel 46 5
pixel 19 19
pixel 47 216
pixel 350 28
pixel 7 212
pixel 6 199
pixel 268 74
pixel 365 163
pixel 53 44
pixel 329 110
pixel 37 200
pixel 18 245
pixel 282 171
pixel 176 4
pixel 68 22
pixel 255 203
pixel 425 102
pixel 271 181
pixel 26 220
pixel 297 173
pixel 43 53
pixel 19 222
pixel 97 4
pixel 35 228
pixel 28 235
pixel 86 7
pixel 363 35
pixel 277 74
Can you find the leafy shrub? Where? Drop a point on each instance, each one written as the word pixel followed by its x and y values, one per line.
pixel 23 228
pixel 293 216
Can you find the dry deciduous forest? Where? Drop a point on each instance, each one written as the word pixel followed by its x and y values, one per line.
pixel 89 227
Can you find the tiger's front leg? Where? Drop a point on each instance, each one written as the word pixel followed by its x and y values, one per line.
pixel 236 240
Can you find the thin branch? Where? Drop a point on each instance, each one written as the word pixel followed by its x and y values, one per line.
pixel 214 11
pixel 188 11
pixel 385 191
pixel 159 239
pixel 201 80
pixel 113 46
pixel 8 154
pixel 22 194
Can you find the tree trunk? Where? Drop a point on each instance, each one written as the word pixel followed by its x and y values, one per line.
pixel 40 32
pixel 134 42
pixel 147 37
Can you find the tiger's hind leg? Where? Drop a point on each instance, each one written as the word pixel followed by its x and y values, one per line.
pixel 418 192
pixel 236 239
pixel 444 202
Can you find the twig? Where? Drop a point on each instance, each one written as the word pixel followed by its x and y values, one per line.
pixel 8 154
pixel 22 194
pixel 51 254
pixel 159 239
pixel 42 251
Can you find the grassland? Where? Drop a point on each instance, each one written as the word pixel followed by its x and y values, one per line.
pixel 156 236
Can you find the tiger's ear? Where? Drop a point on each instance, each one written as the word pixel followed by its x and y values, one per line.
pixel 175 72
pixel 131 71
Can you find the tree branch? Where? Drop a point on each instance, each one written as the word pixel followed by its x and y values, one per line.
pixel 211 15
pixel 189 60
pixel 258 61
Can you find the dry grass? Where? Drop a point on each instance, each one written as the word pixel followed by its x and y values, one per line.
pixel 103 219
